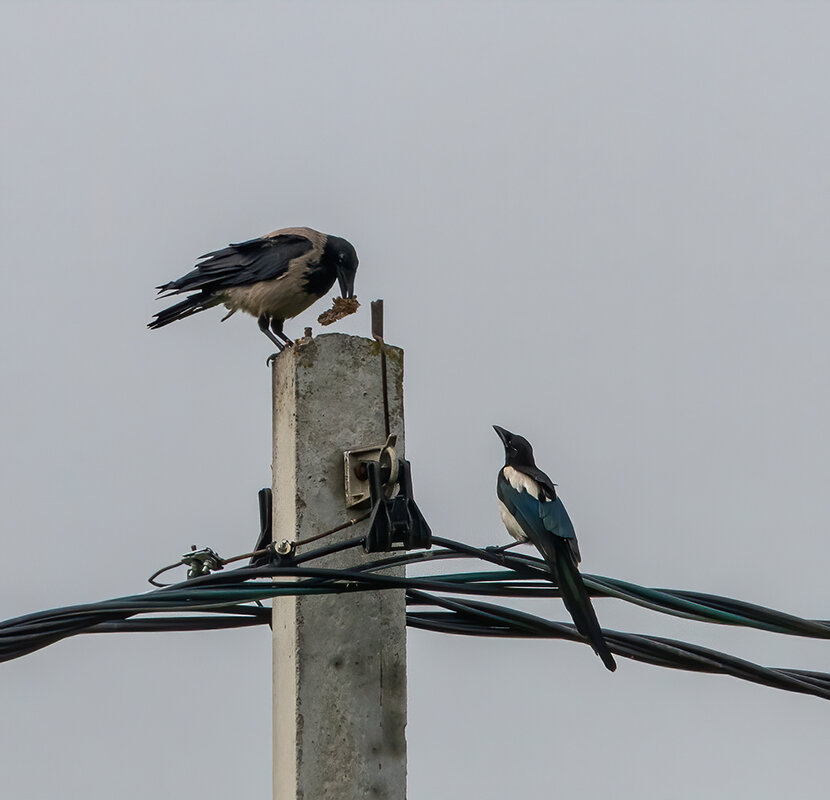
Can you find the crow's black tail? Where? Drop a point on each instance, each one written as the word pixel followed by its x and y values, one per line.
pixel 191 305
pixel 576 598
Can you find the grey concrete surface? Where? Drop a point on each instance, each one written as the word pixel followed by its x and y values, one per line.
pixel 339 661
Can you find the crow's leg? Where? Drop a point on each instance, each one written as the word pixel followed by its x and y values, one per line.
pixel 276 326
pixel 263 323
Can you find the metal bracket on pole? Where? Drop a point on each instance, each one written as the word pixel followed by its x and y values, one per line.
pixel 201 562
pixel 276 550
pixel 376 474
pixel 358 490
pixel 395 520
pixel 265 529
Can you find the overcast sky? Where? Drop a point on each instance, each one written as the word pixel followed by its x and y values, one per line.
pixel 600 224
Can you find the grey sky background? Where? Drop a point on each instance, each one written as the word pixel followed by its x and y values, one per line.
pixel 602 225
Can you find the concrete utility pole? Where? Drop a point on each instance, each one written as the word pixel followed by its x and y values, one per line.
pixel 339 660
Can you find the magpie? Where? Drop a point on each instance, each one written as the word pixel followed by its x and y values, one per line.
pixel 274 277
pixel 532 512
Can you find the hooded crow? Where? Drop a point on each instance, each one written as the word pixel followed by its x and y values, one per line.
pixel 532 512
pixel 274 277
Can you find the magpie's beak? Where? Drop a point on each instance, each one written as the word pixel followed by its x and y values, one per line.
pixel 503 435
pixel 346 280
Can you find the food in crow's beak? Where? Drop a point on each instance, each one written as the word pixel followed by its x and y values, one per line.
pixel 340 307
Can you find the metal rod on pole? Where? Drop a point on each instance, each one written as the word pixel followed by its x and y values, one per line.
pixel 377 335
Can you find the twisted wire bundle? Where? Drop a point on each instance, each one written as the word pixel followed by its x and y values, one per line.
pixel 441 602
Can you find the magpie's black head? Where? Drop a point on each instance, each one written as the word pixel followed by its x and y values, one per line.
pixel 517 449
pixel 342 257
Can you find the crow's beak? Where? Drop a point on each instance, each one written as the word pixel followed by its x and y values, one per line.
pixel 346 280
pixel 503 434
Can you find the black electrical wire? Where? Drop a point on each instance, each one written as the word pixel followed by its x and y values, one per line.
pixel 438 602
pixel 649 649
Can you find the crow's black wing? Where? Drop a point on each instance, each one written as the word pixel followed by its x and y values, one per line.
pixel 241 264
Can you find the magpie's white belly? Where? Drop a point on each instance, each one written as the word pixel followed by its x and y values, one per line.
pixel 282 298
pixel 513 527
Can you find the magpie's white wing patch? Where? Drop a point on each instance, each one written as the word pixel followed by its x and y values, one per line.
pixel 519 481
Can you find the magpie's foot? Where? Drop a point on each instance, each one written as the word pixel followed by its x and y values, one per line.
pixel 502 547
pixel 497 553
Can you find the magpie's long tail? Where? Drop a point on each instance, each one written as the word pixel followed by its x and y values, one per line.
pixel 191 305
pixel 576 598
